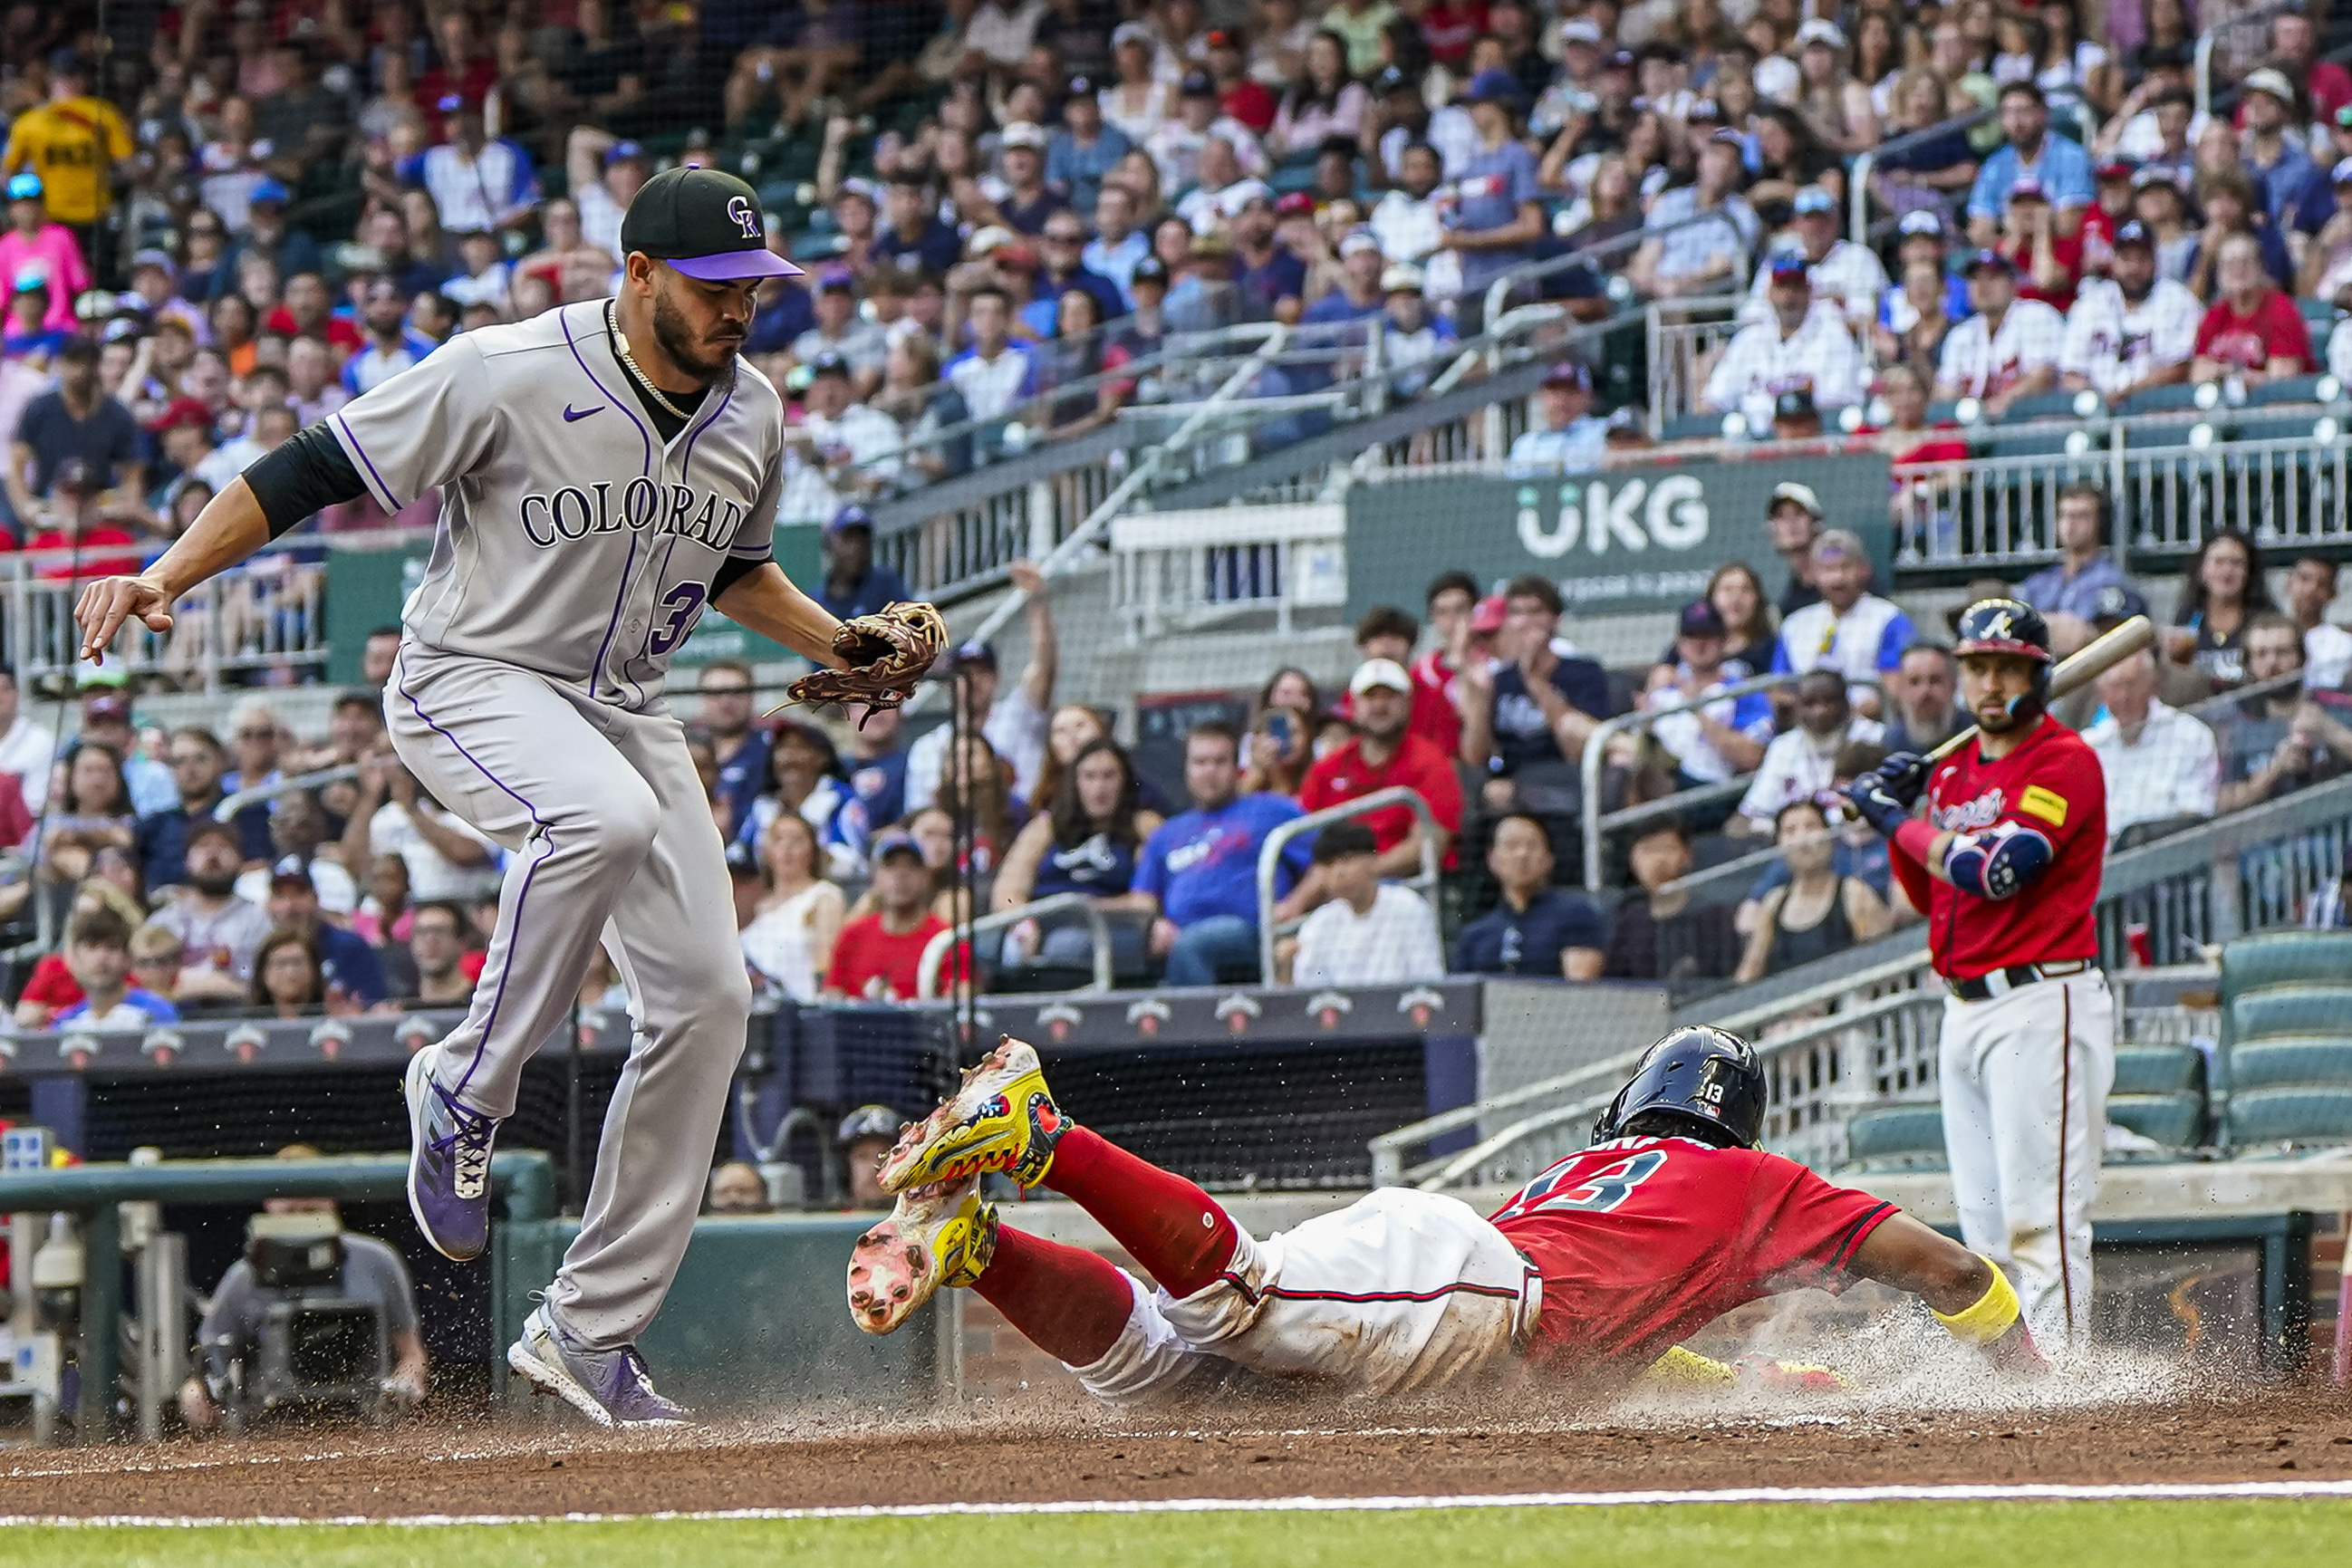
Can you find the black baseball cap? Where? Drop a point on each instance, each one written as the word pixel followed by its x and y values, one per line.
pixel 706 224
pixel 1700 618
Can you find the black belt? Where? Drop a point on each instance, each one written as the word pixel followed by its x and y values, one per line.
pixel 2000 982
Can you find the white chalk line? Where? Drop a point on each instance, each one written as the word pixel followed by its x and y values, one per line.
pixel 1959 1492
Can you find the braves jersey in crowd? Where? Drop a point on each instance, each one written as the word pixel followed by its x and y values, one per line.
pixel 1760 363
pixel 573 541
pixel 2274 330
pixel 1868 638
pixel 1848 274
pixel 1643 1241
pixel 1982 360
pixel 2113 343
pixel 2051 784
pixel 1204 863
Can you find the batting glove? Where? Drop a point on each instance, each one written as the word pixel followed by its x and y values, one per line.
pixel 1878 804
pixel 1904 774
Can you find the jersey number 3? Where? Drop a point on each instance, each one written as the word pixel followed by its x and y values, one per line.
pixel 673 618
pixel 1599 1193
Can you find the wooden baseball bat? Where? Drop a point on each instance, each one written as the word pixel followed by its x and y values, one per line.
pixel 2085 664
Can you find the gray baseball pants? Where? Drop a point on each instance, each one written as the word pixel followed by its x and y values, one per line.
pixel 612 839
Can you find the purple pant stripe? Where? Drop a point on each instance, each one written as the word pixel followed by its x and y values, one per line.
pixel 546 838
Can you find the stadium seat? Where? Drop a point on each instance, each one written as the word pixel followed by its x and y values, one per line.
pixel 2043 405
pixel 2159 1069
pixel 2305 1114
pixel 2160 400
pixel 2302 1060
pixel 1909 1136
pixel 2294 389
pixel 2175 1120
pixel 2035 443
pixel 2271 427
pixel 2281 1010
pixel 1693 426
pixel 2284 958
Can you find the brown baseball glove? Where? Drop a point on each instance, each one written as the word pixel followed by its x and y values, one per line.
pixel 886 656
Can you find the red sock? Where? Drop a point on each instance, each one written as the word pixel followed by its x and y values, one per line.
pixel 1071 1303
pixel 1180 1235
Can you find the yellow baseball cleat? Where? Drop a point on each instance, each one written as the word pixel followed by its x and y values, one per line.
pixel 937 1235
pixel 1003 1118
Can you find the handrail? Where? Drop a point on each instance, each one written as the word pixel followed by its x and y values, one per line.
pixel 1059 559
pixel 1269 855
pixel 927 967
pixel 1498 293
pixel 232 804
pixel 2202 67
pixel 1589 763
pixel 1866 162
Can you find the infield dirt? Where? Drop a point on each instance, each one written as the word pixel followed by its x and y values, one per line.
pixel 981 1455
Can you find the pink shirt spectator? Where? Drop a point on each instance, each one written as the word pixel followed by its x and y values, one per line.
pixel 54 249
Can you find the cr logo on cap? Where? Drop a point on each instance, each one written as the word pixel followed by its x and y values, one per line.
pixel 745 218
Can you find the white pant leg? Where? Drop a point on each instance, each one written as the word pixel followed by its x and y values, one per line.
pixel 1401 1291
pixel 2045 1055
pixel 1968 1136
pixel 673 939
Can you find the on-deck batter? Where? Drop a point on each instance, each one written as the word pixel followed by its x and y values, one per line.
pixel 607 471
pixel 2006 865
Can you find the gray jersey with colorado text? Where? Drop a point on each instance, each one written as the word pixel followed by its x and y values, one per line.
pixel 572 541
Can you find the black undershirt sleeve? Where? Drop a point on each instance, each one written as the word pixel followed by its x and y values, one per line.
pixel 309 472
pixel 737 568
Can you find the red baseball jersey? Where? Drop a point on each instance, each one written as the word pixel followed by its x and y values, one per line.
pixel 2051 784
pixel 1643 1241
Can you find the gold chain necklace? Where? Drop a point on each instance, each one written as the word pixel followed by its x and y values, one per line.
pixel 629 363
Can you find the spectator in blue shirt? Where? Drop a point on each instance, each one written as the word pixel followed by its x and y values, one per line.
pixel 1198 878
pixel 1569 436
pixel 1118 246
pixel 1359 297
pixel 1527 714
pixel 98 956
pixel 2063 168
pixel 2083 569
pixel 914 239
pixel 1272 281
pixel 877 765
pixel 2274 145
pixel 160 840
pixel 1498 218
pixel 1060 246
pixel 853 584
pixel 1082 149
pixel 1538 929
pixel 392 344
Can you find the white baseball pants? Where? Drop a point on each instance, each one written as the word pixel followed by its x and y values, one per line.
pixel 1400 1291
pixel 2026 1077
pixel 613 841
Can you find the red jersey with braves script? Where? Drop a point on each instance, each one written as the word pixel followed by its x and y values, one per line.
pixel 1642 1242
pixel 2051 784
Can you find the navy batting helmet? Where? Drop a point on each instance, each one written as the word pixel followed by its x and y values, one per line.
pixel 2014 627
pixel 1698 1083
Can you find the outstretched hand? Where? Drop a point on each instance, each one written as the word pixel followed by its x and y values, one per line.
pixel 109 601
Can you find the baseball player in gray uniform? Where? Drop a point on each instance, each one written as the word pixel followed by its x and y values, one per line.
pixel 606 470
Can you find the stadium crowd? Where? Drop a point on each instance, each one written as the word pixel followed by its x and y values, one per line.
pixel 222 222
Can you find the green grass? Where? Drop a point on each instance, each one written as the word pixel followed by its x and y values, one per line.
pixel 1784 1535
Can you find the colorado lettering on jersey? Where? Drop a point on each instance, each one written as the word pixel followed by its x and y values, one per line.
pixel 1966 815
pixel 644 506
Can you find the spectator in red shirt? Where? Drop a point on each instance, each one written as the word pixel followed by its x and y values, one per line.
pixel 877 956
pixel 77 523
pixel 1384 753
pixel 1388 633
pixel 1239 94
pixel 2048 264
pixel 309 310
pixel 2294 49
pixel 2252 331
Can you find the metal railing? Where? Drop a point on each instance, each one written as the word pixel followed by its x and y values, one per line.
pixel 1866 163
pixel 2234 37
pixel 1683 349
pixel 1593 758
pixel 267 614
pixel 231 805
pixel 2173 477
pixel 935 951
pixel 1269 856
pixel 1189 569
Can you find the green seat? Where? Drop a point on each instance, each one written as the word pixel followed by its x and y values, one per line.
pixel 2176 1119
pixel 2284 958
pixel 2271 1063
pixel 1693 426
pixel 2159 1069
pixel 2160 400
pixel 2042 405
pixel 2288 1010
pixel 2294 389
pixel 1909 1133
pixel 2271 427
pixel 2310 1113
